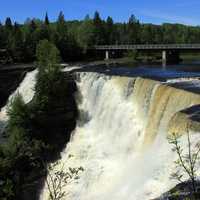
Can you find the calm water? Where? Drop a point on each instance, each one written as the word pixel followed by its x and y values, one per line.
pixel 155 71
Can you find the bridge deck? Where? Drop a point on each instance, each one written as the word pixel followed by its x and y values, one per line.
pixel 149 47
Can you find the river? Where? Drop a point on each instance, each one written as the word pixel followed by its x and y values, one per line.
pixel 120 142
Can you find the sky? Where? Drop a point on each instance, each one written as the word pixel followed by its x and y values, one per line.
pixel 147 11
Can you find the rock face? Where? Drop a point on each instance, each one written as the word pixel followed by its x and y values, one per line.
pixel 181 191
pixel 9 81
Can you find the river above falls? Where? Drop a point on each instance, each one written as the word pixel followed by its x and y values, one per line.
pixel 153 71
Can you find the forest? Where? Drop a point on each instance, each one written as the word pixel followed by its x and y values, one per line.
pixel 75 39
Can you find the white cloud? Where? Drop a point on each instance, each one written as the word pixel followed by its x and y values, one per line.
pixel 170 17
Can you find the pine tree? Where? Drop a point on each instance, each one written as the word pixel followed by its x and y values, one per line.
pixel 61 18
pixel 18 48
pixel 133 30
pixel 63 37
pixel 8 23
pixel 46 19
pixel 48 72
pixel 110 31
pixel 99 32
pixel 86 35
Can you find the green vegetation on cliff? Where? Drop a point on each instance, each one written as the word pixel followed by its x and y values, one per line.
pixel 37 131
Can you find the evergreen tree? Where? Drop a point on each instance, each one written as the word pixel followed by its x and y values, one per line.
pixel 62 39
pixel 46 19
pixel 2 37
pixel 8 23
pixel 110 31
pixel 17 44
pixel 32 26
pixel 43 32
pixel 30 41
pixel 147 34
pixel 48 72
pixel 61 17
pixel 99 32
pixel 133 30
pixel 86 36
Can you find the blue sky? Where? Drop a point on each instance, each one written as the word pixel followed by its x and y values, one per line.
pixel 153 11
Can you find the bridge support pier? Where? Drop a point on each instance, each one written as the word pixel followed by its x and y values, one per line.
pixel 164 58
pixel 107 55
pixel 170 56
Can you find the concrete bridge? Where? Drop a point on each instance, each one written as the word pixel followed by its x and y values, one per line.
pixel 170 52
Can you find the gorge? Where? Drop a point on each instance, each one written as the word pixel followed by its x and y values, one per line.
pixel 120 141
pixel 121 138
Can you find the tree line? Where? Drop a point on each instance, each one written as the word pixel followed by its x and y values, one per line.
pixel 74 39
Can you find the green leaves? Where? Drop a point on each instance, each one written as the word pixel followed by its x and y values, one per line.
pixel 17 112
pixel 47 57
pixel 48 72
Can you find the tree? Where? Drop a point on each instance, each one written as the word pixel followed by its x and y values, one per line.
pixel 99 32
pixel 17 47
pixel 30 41
pixel 17 112
pixel 46 21
pixel 186 164
pixel 19 154
pixel 133 30
pixel 47 57
pixel 32 26
pixel 57 180
pixel 9 35
pixel 147 34
pixel 86 33
pixel 63 37
pixel 48 72
pixel 8 23
pixel 110 31
pixel 3 37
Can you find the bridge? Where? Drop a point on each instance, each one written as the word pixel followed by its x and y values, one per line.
pixel 170 52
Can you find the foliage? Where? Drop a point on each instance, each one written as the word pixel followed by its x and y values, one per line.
pixel 17 112
pixel 186 164
pixel 132 54
pixel 47 57
pixel 48 71
pixel 20 153
pixel 75 38
pixel 29 135
pixel 86 34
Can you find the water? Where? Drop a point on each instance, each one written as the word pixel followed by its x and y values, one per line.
pixel 26 89
pixel 120 140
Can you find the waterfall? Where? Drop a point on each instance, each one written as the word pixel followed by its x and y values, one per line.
pixel 25 89
pixel 120 140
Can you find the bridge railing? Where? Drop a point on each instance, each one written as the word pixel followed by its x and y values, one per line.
pixel 147 46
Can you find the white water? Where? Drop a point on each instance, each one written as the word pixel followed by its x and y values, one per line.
pixel 25 89
pixel 110 139
pixel 109 142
